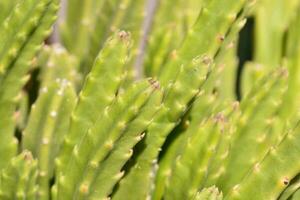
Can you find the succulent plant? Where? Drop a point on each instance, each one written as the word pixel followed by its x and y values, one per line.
pixel 147 99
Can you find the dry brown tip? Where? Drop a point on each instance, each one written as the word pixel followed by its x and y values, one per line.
pixel 27 155
pixel 286 181
pixel 283 72
pixel 124 36
pixel 220 118
pixel 154 83
pixel 84 189
pixel 235 105
pixel 206 60
pixel 174 55
pixel 221 38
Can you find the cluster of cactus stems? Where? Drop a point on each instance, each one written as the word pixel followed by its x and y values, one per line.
pixel 137 103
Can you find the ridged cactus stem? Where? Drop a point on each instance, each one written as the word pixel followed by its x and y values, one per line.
pixel 252 143
pixel 105 77
pixel 211 193
pixel 20 61
pixel 17 181
pixel 272 17
pixel 99 140
pixel 271 180
pixel 44 137
pixel 220 160
pixel 190 58
pixel 133 134
pixel 204 105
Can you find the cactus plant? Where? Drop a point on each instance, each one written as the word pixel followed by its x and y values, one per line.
pixel 136 99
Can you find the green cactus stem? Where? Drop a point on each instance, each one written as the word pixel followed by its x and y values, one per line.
pixel 18 179
pixel 15 58
pixel 211 193
pixel 48 123
pixel 100 139
pixel 105 77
